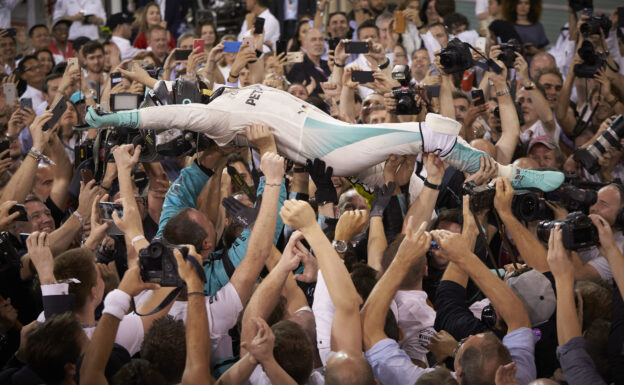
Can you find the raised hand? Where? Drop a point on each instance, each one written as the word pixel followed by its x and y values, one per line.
pixel 41 256
pixel 382 198
pixel 322 178
pixel 5 219
pixel 558 257
pixel 261 137
pixel 126 156
pixel 261 346
pixel 186 270
pixel 416 242
pixel 504 196
pixel 350 224
pixel 298 214
pixel 133 285
pixel 291 257
pixel 273 167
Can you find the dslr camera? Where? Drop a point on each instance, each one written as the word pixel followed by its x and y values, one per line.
pixel 577 230
pixel 158 265
pixel 530 207
pixel 594 25
pixel 592 60
pixel 574 198
pixel 588 157
pixel 508 52
pixel 404 94
pixel 455 57
pixel 481 197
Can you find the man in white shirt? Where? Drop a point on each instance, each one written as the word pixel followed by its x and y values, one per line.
pixel 6 6
pixel 32 73
pixel 259 8
pixel 120 23
pixel 87 17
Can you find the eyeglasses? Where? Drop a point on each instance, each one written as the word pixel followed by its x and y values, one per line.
pixel 459 345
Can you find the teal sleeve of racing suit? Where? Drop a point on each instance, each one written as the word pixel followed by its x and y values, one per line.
pixel 183 193
pixel 217 274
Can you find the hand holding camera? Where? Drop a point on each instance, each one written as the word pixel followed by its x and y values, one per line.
pixel 558 257
pixel 186 270
pixel 504 196
pixel 607 242
pixel 133 285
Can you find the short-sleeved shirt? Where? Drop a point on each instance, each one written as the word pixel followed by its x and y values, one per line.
pixel 223 310
pixel 415 317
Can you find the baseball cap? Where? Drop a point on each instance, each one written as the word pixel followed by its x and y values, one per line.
pixel 61 20
pixel 545 140
pixel 536 293
pixel 117 19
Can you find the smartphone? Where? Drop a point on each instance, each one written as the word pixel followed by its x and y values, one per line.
pixel 198 43
pixel 620 11
pixel 362 76
pixel 124 102
pixel 281 46
pixel 24 237
pixel 10 92
pixel 399 22
pixel 22 217
pixel 115 78
pixel 333 43
pixel 294 57
pixel 356 47
pixel 182 54
pixel 5 145
pixel 72 61
pixel 477 97
pixel 87 175
pixel 259 25
pixel 433 91
pixel 108 208
pixel 57 111
pixel 26 103
pixel 231 46
pixel 480 44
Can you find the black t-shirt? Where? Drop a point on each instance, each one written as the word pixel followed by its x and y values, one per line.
pixel 57 214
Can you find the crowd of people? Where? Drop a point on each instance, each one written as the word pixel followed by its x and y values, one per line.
pixel 167 217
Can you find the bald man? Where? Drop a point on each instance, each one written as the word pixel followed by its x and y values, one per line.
pixel 540 61
pixel 348 369
pixel 485 146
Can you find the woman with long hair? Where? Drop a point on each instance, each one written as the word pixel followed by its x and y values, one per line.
pixel 525 15
pixel 206 30
pixel 295 43
pixel 147 17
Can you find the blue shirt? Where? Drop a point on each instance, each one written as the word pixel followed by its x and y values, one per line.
pixel 183 193
pixel 391 365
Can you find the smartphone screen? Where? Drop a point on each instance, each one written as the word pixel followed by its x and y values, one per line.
pixel 57 111
pixel 182 54
pixel 258 25
pixel 477 97
pixel 198 43
pixel 231 46
pixel 281 46
pixel 107 209
pixel 362 76
pixel 10 92
pixel 480 43
pixel 26 103
pixel 294 57
pixel 72 61
pixel 356 47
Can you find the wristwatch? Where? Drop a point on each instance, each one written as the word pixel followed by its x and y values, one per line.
pixel 384 65
pixel 340 246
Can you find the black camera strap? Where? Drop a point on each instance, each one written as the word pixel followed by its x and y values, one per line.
pixel 489 63
pixel 172 296
pixel 483 236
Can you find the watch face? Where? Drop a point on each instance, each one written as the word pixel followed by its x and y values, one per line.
pixel 340 246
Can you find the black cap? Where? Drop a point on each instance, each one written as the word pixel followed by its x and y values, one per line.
pixel 118 19
pixel 61 20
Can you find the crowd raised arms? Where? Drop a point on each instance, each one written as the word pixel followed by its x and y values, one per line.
pixel 311 192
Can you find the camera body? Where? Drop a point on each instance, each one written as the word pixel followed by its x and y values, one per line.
pixel 481 197
pixel 404 95
pixel 530 207
pixel 158 265
pixel 508 52
pixel 577 230
pixel 592 61
pixel 574 198
pixel 594 25
pixel 455 57
pixel 588 157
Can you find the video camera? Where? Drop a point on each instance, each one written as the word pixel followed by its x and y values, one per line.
pixel 158 265
pixel 405 93
pixel 578 231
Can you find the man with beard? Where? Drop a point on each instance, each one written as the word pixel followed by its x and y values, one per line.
pixel 93 54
